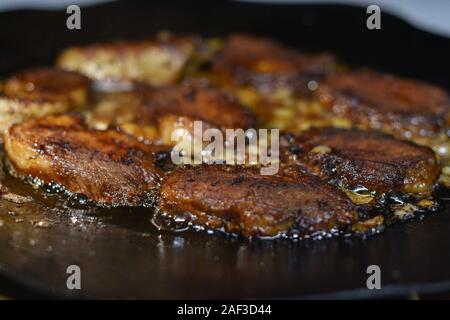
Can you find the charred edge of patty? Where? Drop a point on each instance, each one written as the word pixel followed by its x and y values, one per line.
pixel 148 199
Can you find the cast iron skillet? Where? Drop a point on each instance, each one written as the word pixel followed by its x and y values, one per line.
pixel 122 255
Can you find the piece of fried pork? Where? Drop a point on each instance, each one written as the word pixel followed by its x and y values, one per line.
pixel 108 167
pixel 408 109
pixel 266 64
pixel 39 92
pixel 154 114
pixel 274 80
pixel 240 200
pixel 158 61
pixel 354 158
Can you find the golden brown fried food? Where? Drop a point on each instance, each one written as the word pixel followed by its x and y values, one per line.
pixel 108 167
pixel 273 80
pixel 178 107
pixel 39 92
pixel 159 61
pixel 155 113
pixel 406 108
pixel 241 200
pixel 354 158
pixel 117 109
pixel 267 65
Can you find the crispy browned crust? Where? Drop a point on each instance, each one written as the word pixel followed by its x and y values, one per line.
pixel 114 109
pixel 406 108
pixel 241 200
pixel 267 65
pixel 109 167
pixel 48 84
pixel 39 92
pixel 199 101
pixel 157 61
pixel 155 113
pixel 371 159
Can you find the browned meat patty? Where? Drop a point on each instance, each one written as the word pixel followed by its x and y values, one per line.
pixel 156 113
pixel 267 65
pixel 123 109
pixel 352 158
pixel 406 108
pixel 158 61
pixel 108 167
pixel 39 92
pixel 241 200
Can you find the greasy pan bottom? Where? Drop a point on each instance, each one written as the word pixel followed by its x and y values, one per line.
pixel 122 255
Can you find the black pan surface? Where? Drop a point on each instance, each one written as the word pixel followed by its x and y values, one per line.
pixel 122 255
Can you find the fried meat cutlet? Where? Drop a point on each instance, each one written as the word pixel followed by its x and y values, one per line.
pixel 39 92
pixel 108 167
pixel 273 80
pixel 408 109
pixel 241 200
pixel 267 65
pixel 154 114
pixel 354 158
pixel 158 61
